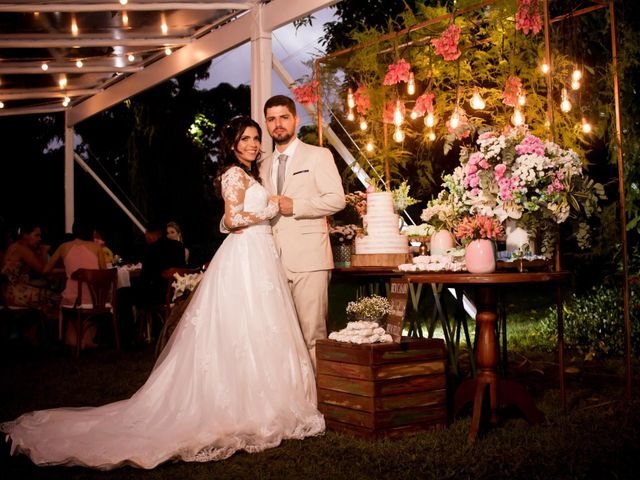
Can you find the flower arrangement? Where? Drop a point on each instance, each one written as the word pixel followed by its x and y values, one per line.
pixel 369 308
pixel 184 284
pixel 478 227
pixel 444 212
pixel 447 44
pixel 401 197
pixel 397 72
pixel 344 233
pixel 357 200
pixel 307 93
pixel 422 230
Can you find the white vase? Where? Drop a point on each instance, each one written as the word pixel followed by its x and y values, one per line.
pixel 441 242
pixel 517 236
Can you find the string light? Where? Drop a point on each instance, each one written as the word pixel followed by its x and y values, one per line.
pixel 66 101
pixel 125 19
pixel 565 104
pixel 350 100
pixel 1 104
pixel 62 82
pixel 522 98
pixel 131 57
pixel 454 121
pixel 363 124
pixel 431 135
pixel 430 120
pixel 167 51
pixel 350 116
pixel 545 67
pixel 369 146
pixel 44 67
pixel 74 27
pixel 398 118
pixel 575 84
pixel 517 118
pixel 398 135
pixel 576 75
pixel 477 102
pixel 79 63
pixel 123 2
pixel 413 115
pixel 586 126
pixel 411 85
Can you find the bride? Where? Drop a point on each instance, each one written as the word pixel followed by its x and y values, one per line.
pixel 235 375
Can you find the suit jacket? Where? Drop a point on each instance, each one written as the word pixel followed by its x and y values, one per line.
pixel 314 184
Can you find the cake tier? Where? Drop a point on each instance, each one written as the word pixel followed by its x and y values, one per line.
pixel 395 243
pixel 379 203
pixel 381 224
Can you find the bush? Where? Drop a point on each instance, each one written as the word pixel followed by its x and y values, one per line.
pixel 594 321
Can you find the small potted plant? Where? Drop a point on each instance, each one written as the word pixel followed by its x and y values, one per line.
pixel 373 308
pixel 342 237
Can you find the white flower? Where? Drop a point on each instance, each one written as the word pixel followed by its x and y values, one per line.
pixel 183 284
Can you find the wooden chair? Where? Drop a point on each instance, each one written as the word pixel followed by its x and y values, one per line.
pixel 102 285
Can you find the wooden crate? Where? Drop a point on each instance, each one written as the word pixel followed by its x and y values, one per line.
pixel 391 260
pixel 383 389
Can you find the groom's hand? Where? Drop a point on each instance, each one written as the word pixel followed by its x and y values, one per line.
pixel 286 205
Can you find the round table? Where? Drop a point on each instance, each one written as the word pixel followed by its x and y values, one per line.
pixel 501 391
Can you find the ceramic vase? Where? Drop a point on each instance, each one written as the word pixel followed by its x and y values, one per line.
pixel 441 242
pixel 480 256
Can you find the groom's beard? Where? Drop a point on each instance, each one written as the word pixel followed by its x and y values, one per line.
pixel 282 138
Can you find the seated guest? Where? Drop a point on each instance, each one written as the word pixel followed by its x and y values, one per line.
pixel 81 252
pixel 27 257
pixel 107 254
pixel 174 232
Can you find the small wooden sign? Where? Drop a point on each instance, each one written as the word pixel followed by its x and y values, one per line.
pixel 398 296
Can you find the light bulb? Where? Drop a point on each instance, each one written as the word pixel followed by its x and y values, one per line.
pixel 1 105
pixel 586 126
pixel 430 120
pixel 565 104
pixel 66 101
pixel 44 67
pixel 350 115
pixel 164 28
pixel 517 118
pixel 545 67
pixel 123 2
pixel 477 102
pixel 62 82
pixel 369 146
pixel 522 99
pixel 413 115
pixel 576 75
pixel 575 84
pixel 398 118
pixel 74 27
pixel 431 135
pixel 79 63
pixel 411 86
pixel 125 19
pixel 454 121
pixel 350 100
pixel 363 124
pixel 131 57
pixel 167 51
pixel 398 135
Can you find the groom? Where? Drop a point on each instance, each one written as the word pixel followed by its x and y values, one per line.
pixel 309 187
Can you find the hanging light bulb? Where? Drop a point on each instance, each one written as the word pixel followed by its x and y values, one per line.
pixel 131 57
pixel 1 105
pixel 413 115
pixel 167 51
pixel 74 27
pixel 586 126
pixel 565 104
pixel 62 82
pixel 398 135
pixel 575 84
pixel 79 63
pixel 545 67
pixel 350 116
pixel 66 101
pixel 123 2
pixel 363 124
pixel 517 118
pixel 430 120
pixel 431 135
pixel 125 19
pixel 350 100
pixel 44 67
pixel 477 102
pixel 522 98
pixel 369 146
pixel 454 121
pixel 398 118
pixel 411 85
pixel 163 25
pixel 576 75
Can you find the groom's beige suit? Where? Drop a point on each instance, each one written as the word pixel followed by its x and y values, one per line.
pixel 313 183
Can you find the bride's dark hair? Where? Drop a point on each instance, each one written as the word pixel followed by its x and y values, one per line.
pixel 229 138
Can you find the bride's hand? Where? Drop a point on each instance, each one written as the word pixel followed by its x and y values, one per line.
pixel 275 200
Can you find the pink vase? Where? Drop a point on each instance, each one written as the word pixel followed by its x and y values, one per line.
pixel 441 241
pixel 480 256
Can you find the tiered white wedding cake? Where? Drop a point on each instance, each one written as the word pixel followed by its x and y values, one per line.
pixel 382 226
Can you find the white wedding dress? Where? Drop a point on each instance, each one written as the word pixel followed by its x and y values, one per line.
pixel 235 375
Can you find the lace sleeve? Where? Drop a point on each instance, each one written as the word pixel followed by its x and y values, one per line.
pixel 234 186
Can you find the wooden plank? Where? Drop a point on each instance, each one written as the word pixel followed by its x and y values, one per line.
pixel 383 404
pixel 392 432
pixel 388 419
pixel 383 387
pixel 380 353
pixel 382 372
pixel 380 259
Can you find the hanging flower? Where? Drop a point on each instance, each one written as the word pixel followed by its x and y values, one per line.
pixel 447 44
pixel 512 90
pixel 389 110
pixel 528 17
pixel 424 104
pixel 463 128
pixel 363 102
pixel 398 72
pixel 307 93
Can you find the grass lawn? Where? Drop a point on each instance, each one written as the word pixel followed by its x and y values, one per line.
pixel 597 437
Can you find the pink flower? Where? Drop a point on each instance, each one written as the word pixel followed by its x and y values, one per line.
pixel 447 44
pixel 500 169
pixel 530 144
pixel 484 164
pixel 389 109
pixel 398 72
pixel 363 102
pixel 424 104
pixel 370 188
pixel 307 92
pixel 511 91
pixel 478 226
pixel 528 17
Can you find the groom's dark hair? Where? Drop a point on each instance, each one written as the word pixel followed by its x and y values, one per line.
pixel 280 101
